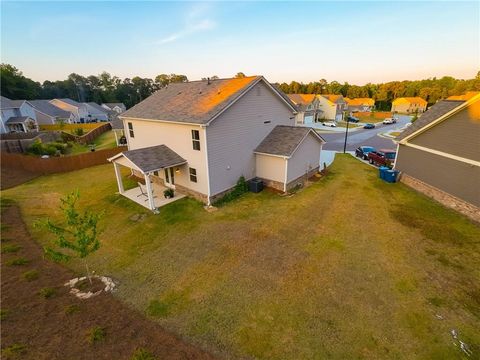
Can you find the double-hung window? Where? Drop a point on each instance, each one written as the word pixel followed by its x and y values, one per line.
pixel 196 139
pixel 130 130
pixel 193 174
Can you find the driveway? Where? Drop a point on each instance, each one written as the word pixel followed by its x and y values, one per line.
pixel 364 136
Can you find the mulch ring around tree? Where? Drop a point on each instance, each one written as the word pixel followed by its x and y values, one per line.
pixel 40 319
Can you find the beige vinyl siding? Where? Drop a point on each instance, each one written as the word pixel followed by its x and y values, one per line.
pixel 234 135
pixel 177 137
pixel 305 158
pixel 458 135
pixel 271 167
pixel 454 177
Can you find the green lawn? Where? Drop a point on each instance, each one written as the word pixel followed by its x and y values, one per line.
pixel 350 267
pixel 104 141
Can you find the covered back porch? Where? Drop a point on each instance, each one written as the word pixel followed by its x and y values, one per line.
pixel 147 163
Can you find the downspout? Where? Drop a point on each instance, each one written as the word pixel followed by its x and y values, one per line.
pixel 286 176
pixel 208 167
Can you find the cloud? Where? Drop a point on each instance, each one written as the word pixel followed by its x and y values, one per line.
pixel 197 19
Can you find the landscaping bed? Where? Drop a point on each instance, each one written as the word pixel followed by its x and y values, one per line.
pixel 42 320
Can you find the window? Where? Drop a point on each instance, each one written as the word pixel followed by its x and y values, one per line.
pixel 130 130
pixel 193 174
pixel 196 139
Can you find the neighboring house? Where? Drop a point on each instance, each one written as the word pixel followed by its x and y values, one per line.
pixel 360 104
pixel 332 106
pixel 117 107
pixel 47 114
pixel 467 96
pixel 440 154
pixel 17 116
pixel 307 106
pixel 200 137
pixel 409 105
pixel 97 112
pixel 78 110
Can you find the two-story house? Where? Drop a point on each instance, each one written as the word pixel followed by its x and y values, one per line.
pixel 200 137
pixel 17 116
pixel 97 112
pixel 79 110
pixel 332 106
pixel 47 114
pixel 409 105
pixel 308 108
pixel 360 104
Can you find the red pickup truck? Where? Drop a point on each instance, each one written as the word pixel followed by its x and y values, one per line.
pixel 382 157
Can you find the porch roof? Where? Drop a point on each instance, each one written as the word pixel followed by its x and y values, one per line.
pixel 152 158
pixel 17 120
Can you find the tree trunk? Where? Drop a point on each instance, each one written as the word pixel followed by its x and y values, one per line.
pixel 88 272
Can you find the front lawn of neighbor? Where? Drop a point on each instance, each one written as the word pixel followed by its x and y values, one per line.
pixel 350 267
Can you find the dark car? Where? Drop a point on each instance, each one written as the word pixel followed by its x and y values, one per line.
pixel 362 151
pixel 352 119
pixel 383 157
pixel 369 126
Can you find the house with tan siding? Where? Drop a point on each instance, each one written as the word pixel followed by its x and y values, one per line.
pixel 440 154
pixel 360 104
pixel 332 106
pixel 200 137
pixel 409 105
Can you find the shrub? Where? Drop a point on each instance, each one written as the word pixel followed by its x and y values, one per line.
pixel 78 131
pixel 47 292
pixel 14 350
pixel 18 262
pixel 96 334
pixel 240 188
pixel 30 275
pixel 10 248
pixel 142 354
pixel 36 148
pixel 72 309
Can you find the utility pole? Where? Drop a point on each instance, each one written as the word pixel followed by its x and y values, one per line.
pixel 346 136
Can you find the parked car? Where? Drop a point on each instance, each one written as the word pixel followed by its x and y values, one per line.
pixel 388 121
pixel 329 123
pixel 383 157
pixel 369 126
pixel 353 119
pixel 362 151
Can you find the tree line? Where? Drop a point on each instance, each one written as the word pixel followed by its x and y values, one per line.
pixel 431 90
pixel 107 88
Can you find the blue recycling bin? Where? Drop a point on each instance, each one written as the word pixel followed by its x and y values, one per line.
pixel 391 176
pixel 381 172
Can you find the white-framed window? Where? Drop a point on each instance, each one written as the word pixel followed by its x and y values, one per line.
pixel 130 130
pixel 196 139
pixel 193 174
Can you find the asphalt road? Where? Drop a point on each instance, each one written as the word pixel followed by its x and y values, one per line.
pixel 335 140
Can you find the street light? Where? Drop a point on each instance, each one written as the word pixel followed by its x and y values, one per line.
pixel 346 134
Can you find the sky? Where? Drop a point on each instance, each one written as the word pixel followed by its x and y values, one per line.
pixel 352 41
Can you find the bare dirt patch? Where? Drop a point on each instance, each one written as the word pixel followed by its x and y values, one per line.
pixel 61 326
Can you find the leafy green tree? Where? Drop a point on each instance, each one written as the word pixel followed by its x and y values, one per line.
pixel 240 75
pixel 77 236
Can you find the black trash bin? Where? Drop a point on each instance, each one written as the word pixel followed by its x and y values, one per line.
pixel 255 185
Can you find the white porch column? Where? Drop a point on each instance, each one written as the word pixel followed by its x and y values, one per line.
pixel 116 137
pixel 149 192
pixel 119 177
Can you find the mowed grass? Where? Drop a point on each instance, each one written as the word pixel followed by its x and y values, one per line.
pixel 104 141
pixel 350 267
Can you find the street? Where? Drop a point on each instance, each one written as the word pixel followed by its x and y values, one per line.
pixel 358 137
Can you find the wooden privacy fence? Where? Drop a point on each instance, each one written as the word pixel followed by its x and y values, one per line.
pixel 58 164
pixel 94 130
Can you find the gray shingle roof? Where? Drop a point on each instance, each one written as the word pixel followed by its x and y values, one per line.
pixel 283 140
pixel 117 124
pixel 71 102
pixel 5 103
pixel 46 107
pixel 99 107
pixel 440 108
pixel 154 158
pixel 17 119
pixel 192 102
pixel 112 105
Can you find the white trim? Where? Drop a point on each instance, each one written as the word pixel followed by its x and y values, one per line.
pixel 441 118
pixel 126 118
pixel 118 175
pixel 286 176
pixel 148 183
pixel 266 154
pixel 444 154
pixel 208 166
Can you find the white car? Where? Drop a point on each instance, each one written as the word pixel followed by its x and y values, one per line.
pixel 388 121
pixel 329 123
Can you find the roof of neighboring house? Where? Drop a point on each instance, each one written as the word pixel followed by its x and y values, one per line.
pixel 283 140
pixel 6 103
pixel 301 99
pixel 98 107
pixel 467 96
pixel 439 109
pixel 112 105
pixel 332 97
pixel 46 107
pixel 360 101
pixel 412 100
pixel 195 102
pixel 70 101
pixel 153 158
pixel 117 124
pixel 17 119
